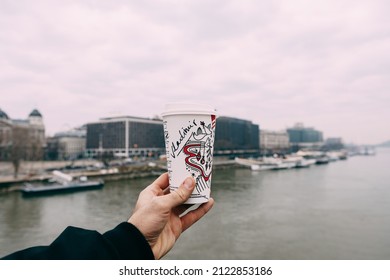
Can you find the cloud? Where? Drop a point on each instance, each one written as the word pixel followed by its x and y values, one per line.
pixel 275 62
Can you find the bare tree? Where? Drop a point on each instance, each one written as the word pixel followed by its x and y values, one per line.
pixel 61 150
pixel 5 140
pixel 18 149
pixel 2 145
pixel 34 149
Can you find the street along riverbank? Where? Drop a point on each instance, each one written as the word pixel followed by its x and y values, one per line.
pixel 41 172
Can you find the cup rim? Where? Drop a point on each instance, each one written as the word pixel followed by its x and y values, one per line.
pixel 185 108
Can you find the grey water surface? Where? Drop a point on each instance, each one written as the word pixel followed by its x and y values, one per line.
pixel 335 211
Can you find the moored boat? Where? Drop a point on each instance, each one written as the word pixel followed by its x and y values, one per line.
pixel 256 165
pixel 322 160
pixel 305 163
pixel 280 163
pixel 246 162
pixel 61 183
pixel 265 163
pixel 262 167
pixel 31 190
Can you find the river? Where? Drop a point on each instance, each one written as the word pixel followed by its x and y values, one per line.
pixel 336 211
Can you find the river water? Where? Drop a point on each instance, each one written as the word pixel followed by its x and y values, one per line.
pixel 335 211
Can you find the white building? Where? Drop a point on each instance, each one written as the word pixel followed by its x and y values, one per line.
pixel 71 144
pixel 274 141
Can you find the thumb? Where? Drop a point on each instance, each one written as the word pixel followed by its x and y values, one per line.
pixel 181 194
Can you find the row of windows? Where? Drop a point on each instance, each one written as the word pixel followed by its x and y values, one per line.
pixel 123 152
pixel 304 135
pixel 113 135
pixel 106 135
pixel 230 134
pixel 236 134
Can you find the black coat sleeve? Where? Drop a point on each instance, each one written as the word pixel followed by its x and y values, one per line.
pixel 124 242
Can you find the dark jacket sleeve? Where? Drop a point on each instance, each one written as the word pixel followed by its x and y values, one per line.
pixel 124 242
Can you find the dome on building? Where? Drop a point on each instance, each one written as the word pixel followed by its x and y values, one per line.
pixel 35 113
pixel 3 115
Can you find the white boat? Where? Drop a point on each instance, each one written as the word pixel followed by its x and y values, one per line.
pixel 305 163
pixel 265 163
pixel 280 163
pixel 246 162
pixel 322 160
pixel 255 165
pixel 300 161
pixel 333 156
pixel 343 155
pixel 263 166
pixel 367 151
pixel 318 156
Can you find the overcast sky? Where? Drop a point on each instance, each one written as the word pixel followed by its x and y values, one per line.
pixel 323 63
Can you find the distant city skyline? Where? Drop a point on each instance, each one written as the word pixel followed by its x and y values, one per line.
pixel 275 63
pixel 67 127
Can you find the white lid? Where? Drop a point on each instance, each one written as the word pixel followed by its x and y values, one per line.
pixel 188 109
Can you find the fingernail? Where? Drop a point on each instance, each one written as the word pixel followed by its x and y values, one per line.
pixel 188 183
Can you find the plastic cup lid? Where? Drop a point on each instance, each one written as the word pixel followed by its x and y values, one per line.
pixel 188 109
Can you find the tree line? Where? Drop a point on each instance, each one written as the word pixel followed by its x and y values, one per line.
pixel 17 143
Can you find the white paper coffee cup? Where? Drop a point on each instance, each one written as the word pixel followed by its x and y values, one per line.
pixel 189 131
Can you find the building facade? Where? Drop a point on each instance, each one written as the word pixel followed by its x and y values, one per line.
pixel 304 137
pixel 71 144
pixel 334 143
pixel 125 137
pixel 134 136
pixel 236 137
pixel 274 142
pixel 24 138
pixel 5 135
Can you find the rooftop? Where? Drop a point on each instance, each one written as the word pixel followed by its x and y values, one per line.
pixel 3 115
pixel 35 113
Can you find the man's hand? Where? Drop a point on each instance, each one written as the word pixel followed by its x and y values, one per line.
pixel 157 213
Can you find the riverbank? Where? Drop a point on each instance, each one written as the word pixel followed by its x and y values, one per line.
pixel 35 172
